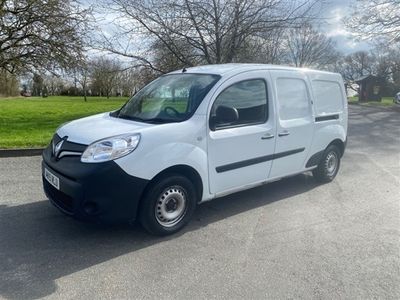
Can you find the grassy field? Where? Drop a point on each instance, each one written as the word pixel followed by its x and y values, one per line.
pixel 386 101
pixel 31 122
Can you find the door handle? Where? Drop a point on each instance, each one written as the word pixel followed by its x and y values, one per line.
pixel 267 136
pixel 284 133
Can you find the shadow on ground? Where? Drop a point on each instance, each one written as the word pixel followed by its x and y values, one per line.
pixel 39 245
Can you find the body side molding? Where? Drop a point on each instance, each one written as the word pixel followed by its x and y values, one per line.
pixel 256 160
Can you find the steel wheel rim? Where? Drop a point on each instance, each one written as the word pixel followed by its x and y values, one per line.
pixel 331 163
pixel 171 206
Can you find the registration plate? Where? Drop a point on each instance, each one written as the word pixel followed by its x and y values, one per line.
pixel 52 179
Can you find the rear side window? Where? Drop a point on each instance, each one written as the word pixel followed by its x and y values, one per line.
pixel 249 98
pixel 328 97
pixel 292 98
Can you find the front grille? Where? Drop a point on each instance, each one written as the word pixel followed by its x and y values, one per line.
pixel 62 200
pixel 68 148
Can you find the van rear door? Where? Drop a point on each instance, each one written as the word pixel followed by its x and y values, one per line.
pixel 294 122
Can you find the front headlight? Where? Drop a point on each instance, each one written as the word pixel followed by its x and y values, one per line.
pixel 110 148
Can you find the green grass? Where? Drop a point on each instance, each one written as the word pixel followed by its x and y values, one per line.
pixel 386 101
pixel 352 99
pixel 31 122
pixel 179 105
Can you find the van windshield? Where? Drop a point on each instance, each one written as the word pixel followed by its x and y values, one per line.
pixel 170 98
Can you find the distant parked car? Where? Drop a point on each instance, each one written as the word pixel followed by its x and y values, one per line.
pixel 396 98
pixel 26 94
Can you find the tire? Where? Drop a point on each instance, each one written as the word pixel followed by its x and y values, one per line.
pixel 168 205
pixel 329 165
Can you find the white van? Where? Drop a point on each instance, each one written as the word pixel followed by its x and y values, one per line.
pixel 194 135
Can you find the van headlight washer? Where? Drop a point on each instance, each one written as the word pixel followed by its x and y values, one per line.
pixel 111 148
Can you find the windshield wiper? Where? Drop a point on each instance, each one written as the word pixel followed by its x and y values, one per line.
pixel 151 120
pixel 160 120
pixel 128 117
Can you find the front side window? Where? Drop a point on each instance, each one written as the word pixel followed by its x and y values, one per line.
pixel 170 98
pixel 248 98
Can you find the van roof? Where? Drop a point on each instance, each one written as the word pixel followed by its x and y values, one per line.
pixel 234 68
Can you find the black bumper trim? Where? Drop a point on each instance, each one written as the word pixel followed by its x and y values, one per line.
pixel 315 159
pixel 105 186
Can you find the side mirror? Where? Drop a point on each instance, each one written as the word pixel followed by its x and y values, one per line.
pixel 224 115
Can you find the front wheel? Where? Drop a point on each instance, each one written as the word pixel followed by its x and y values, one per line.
pixel 328 166
pixel 168 205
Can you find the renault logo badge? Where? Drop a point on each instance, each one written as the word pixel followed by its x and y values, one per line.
pixel 57 147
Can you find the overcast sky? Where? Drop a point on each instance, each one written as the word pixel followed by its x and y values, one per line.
pixel 333 13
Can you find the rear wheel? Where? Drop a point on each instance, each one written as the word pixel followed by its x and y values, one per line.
pixel 328 166
pixel 168 205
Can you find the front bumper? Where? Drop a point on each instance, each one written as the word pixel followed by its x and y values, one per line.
pixel 99 192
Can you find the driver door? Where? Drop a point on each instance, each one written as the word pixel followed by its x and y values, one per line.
pixel 240 153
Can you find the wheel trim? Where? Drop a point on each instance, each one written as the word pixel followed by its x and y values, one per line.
pixel 331 163
pixel 171 206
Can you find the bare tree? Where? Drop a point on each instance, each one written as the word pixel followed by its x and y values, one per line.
pixel 54 83
pixel 82 76
pixel 200 31
pixel 265 47
pixel 37 35
pixel 164 61
pixel 355 65
pixel 375 18
pixel 387 58
pixel 37 85
pixel 128 82
pixel 387 65
pixel 307 47
pixel 271 46
pixel 8 84
pixel 104 76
